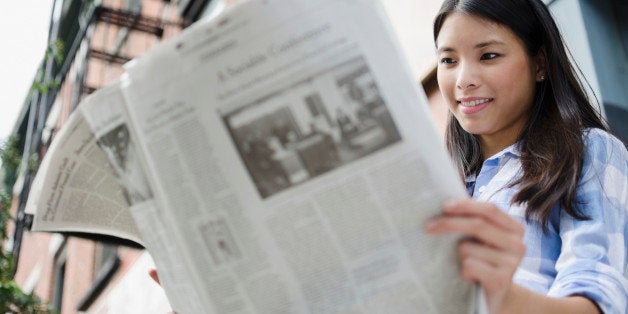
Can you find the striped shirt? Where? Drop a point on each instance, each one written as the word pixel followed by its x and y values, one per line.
pixel 575 257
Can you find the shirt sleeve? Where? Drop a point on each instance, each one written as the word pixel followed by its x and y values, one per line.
pixel 592 262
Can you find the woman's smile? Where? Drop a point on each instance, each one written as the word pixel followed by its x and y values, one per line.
pixel 471 105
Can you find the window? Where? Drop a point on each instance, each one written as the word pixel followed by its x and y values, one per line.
pixel 107 264
pixel 60 259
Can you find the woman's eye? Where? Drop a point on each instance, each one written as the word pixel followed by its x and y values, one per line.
pixel 489 56
pixel 447 61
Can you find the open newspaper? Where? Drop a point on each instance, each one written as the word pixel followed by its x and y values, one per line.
pixel 278 158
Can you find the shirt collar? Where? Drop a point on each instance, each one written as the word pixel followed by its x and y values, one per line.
pixel 513 150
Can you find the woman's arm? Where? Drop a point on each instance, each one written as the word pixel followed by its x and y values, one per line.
pixel 522 300
pixel 491 254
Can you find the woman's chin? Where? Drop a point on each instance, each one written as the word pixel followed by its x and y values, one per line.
pixel 474 128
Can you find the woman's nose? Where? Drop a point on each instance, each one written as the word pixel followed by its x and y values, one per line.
pixel 467 77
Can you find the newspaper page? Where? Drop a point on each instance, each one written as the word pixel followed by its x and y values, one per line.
pixel 298 163
pixel 105 113
pixel 75 189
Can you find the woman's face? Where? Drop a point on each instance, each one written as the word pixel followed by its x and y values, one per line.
pixel 486 78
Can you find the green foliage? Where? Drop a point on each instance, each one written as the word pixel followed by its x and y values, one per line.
pixel 5 218
pixel 33 163
pixel 12 298
pixel 54 52
pixel 11 158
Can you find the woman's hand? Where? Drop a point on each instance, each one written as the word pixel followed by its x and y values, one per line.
pixel 492 249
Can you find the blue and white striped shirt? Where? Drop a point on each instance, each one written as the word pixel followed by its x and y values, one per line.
pixel 575 257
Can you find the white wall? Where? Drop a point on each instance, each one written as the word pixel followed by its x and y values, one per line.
pixel 412 21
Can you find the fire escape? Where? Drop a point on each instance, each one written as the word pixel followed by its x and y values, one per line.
pixel 124 23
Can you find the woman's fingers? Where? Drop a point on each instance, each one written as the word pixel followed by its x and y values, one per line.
pixel 488 211
pixel 491 268
pixel 494 280
pixel 492 248
pixel 472 250
pixel 481 221
pixel 478 228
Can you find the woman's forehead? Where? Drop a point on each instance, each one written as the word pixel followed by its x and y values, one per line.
pixel 469 29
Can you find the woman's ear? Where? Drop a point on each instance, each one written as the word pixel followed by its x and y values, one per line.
pixel 541 65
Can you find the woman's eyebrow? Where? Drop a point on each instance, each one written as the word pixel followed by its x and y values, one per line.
pixel 476 46
pixel 445 49
pixel 488 43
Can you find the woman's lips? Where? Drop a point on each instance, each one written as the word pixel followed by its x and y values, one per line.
pixel 473 105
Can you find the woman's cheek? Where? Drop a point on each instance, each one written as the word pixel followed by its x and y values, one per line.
pixel 446 93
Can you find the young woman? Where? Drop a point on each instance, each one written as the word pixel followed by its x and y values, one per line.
pixel 547 227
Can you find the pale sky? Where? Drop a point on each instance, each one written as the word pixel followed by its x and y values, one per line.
pixel 24 33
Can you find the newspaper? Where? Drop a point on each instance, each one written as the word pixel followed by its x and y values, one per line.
pixel 76 189
pixel 278 158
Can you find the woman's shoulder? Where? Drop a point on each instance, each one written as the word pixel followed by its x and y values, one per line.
pixel 603 146
pixel 605 163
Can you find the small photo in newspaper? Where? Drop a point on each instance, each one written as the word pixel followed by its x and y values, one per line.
pixel 220 242
pixel 311 127
pixel 120 148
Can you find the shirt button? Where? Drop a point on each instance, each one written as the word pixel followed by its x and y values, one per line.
pixel 482 188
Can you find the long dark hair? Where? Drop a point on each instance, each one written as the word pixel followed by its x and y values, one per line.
pixel 551 143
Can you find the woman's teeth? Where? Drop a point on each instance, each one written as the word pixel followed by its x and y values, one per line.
pixel 474 103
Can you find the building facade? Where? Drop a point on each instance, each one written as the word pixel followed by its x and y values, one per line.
pixel 89 43
pixel 95 38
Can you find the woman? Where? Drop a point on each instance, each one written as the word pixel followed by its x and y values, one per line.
pixel 547 228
